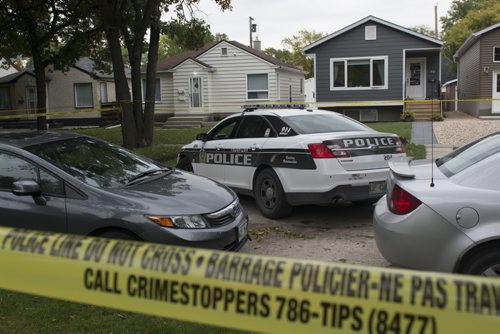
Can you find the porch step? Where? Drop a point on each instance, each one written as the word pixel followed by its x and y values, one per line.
pixel 424 110
pixel 182 122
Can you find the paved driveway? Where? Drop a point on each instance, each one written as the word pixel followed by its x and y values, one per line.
pixel 342 233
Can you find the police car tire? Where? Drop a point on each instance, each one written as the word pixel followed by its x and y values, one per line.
pixel 185 164
pixel 270 196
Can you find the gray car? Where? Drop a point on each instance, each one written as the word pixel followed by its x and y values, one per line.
pixel 444 215
pixel 76 184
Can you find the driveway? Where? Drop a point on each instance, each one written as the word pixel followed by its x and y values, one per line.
pixel 341 233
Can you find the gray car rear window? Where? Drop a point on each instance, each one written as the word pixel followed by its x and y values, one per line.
pixel 308 124
pixel 468 155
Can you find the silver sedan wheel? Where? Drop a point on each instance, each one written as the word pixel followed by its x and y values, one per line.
pixel 493 271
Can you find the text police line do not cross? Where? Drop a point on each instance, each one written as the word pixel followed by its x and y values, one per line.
pixel 246 292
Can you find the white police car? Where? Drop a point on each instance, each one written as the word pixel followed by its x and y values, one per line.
pixel 286 157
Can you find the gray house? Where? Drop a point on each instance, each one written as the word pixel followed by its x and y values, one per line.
pixel 478 70
pixel 373 69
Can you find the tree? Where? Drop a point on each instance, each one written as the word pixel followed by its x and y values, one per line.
pixel 47 31
pixel 295 44
pixel 179 36
pixel 464 18
pixel 129 21
pixel 282 54
pixel 425 30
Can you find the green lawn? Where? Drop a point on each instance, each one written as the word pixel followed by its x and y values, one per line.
pixel 25 313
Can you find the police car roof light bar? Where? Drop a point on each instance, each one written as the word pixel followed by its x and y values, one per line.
pixel 252 107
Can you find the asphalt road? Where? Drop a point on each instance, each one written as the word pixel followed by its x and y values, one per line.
pixel 341 233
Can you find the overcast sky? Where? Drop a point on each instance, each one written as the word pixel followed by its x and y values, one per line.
pixel 278 19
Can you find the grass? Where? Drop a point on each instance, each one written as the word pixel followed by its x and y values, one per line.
pixel 21 313
pixel 25 313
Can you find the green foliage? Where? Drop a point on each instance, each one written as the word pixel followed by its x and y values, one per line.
pixel 464 18
pixel 437 118
pixel 282 54
pixel 295 44
pixel 403 130
pixel 423 29
pixel 407 116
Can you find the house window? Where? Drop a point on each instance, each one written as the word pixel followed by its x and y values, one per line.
pixel 83 95
pixel 358 73
pixel 257 86
pixel 496 54
pixel 103 89
pixel 301 86
pixel 5 98
pixel 157 90
pixel 370 33
pixel 224 51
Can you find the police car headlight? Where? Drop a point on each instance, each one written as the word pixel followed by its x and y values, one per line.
pixel 194 221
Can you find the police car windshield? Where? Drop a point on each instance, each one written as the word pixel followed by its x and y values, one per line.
pixel 321 123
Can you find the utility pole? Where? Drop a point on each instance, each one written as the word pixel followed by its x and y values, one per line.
pixel 436 20
pixel 253 28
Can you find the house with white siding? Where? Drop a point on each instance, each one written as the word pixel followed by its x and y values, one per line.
pixel 221 77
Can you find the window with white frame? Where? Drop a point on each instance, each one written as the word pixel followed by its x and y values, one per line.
pixel 224 51
pixel 370 33
pixel 496 54
pixel 257 86
pixel 83 95
pixel 358 73
pixel 103 90
pixel 157 89
pixel 5 98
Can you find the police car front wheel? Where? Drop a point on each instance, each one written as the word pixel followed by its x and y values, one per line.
pixel 270 196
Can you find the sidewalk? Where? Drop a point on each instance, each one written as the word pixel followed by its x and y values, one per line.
pixel 422 133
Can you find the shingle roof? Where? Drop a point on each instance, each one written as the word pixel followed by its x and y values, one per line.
pixel 172 62
pixel 87 65
pixel 14 76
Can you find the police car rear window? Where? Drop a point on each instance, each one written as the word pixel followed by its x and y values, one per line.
pixel 311 123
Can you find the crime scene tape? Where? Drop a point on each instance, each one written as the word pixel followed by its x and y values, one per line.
pixel 225 106
pixel 242 291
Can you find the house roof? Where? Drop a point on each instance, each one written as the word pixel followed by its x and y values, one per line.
pixel 473 38
pixel 87 65
pixel 375 19
pixel 172 62
pixel 10 78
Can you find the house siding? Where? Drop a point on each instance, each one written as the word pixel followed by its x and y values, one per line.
pixel 181 88
pixel 229 80
pixel 390 42
pixel 469 77
pixel 166 103
pixel 61 94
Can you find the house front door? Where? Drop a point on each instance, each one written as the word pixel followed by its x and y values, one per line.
pixel 30 101
pixel 195 93
pixel 495 104
pixel 415 78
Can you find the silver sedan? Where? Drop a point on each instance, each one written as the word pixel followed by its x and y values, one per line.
pixel 444 215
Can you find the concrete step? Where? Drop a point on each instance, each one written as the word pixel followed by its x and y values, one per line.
pixel 189 118
pixel 175 126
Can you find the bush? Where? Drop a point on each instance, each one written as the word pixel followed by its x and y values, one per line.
pixel 407 116
pixel 437 118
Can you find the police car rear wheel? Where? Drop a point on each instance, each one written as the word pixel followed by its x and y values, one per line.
pixel 270 196
pixel 185 164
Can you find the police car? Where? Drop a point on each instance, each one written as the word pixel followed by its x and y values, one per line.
pixel 293 156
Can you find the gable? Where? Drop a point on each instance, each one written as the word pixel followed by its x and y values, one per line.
pixel 359 26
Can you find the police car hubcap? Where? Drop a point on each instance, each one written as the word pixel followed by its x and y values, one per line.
pixel 268 193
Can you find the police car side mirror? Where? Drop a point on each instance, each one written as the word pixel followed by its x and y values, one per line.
pixel 202 136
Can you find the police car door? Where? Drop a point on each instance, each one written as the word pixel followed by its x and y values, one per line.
pixel 212 154
pixel 244 151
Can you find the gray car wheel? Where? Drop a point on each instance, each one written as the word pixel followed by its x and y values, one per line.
pixel 185 164
pixel 118 234
pixel 270 196
pixel 483 263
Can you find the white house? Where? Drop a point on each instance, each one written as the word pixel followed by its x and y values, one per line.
pixel 223 76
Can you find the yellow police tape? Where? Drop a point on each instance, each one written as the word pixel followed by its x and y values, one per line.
pixel 241 291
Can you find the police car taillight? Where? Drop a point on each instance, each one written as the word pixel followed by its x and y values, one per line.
pixel 320 151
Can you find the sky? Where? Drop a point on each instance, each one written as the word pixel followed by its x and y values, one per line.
pixel 278 19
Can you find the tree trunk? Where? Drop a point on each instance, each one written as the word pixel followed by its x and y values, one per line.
pixel 41 98
pixel 135 65
pixel 109 13
pixel 149 107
